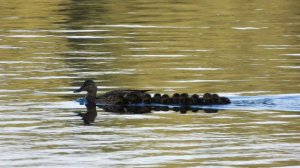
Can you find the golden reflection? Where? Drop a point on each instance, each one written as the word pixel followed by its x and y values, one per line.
pixel 233 46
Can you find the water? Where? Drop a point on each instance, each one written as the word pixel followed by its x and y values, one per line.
pixel 248 51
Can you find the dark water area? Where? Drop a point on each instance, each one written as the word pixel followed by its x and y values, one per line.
pixel 248 51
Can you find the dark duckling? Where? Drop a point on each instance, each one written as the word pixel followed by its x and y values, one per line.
pixel 175 98
pixel 156 98
pixel 147 99
pixel 201 101
pixel 184 99
pixel 165 99
pixel 207 99
pixel 195 99
pixel 224 100
pixel 215 99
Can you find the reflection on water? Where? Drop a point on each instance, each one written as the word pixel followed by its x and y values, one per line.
pixel 285 102
pixel 248 50
pixel 91 114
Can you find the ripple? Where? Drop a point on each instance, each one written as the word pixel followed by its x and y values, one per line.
pixel 195 69
pixel 197 50
pixel 139 49
pixel 78 31
pixel 17 122
pixel 275 47
pixel 295 54
pixel 158 56
pixel 287 116
pixel 245 28
pixel 45 77
pixel 13 90
pixel 83 52
pixel 268 122
pixel 257 161
pixel 123 71
pixel 29 36
pixel 197 81
pixel 78 58
pixel 139 26
pixel 289 67
pixel 94 37
pixel 9 74
pixel 9 47
pixel 21 62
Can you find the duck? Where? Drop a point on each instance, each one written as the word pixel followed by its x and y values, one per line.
pixel 184 99
pixel 224 100
pixel 195 99
pixel 147 99
pixel 165 99
pixel 207 98
pixel 215 99
pixel 175 98
pixel 132 99
pixel 156 98
pixel 113 97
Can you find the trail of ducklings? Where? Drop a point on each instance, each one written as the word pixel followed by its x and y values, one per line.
pixel 182 99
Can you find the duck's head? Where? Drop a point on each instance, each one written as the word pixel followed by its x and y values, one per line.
pixel 88 85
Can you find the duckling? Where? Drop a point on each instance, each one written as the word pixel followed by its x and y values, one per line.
pixel 207 98
pixel 215 99
pixel 147 99
pixel 183 99
pixel 157 98
pixel 165 99
pixel 194 99
pixel 201 101
pixel 175 98
pixel 224 100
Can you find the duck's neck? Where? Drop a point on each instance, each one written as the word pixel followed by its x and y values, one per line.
pixel 91 94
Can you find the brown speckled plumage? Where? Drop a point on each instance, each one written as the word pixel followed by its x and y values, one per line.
pixel 111 97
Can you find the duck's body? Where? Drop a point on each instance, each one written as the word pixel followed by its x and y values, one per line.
pixel 117 96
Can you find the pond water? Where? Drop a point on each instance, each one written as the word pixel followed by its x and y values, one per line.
pixel 246 50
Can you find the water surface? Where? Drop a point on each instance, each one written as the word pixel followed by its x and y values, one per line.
pixel 234 48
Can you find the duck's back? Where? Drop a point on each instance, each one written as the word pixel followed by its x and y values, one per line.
pixel 112 96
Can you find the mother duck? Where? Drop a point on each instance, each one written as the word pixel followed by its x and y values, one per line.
pixel 111 97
